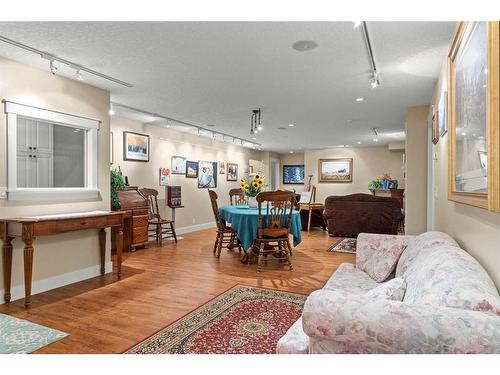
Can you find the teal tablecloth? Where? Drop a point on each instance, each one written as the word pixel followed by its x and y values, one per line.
pixel 244 221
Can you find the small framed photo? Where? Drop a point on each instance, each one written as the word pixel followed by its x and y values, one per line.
pixel 335 170
pixel 293 174
pixel 191 169
pixel 178 164
pixel 222 167
pixel 164 176
pixel 232 172
pixel 135 146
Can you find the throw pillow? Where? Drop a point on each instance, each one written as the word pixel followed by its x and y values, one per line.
pixel 393 290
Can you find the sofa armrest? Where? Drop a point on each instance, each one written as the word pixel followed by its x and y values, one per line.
pixel 358 325
pixel 368 243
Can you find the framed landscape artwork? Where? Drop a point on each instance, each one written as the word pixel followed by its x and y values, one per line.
pixel 207 174
pixel 473 117
pixel 135 146
pixel 178 164
pixel 191 169
pixel 232 172
pixel 293 174
pixel 335 170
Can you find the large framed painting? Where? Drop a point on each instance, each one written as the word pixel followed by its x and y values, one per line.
pixel 293 174
pixel 191 169
pixel 232 172
pixel 335 170
pixel 207 174
pixel 178 164
pixel 135 146
pixel 473 116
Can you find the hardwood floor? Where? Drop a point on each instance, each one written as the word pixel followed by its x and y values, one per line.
pixel 160 285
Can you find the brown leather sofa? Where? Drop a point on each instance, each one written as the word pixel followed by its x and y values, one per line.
pixel 352 214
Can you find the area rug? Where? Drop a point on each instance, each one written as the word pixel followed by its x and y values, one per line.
pixel 345 245
pixel 18 336
pixel 242 320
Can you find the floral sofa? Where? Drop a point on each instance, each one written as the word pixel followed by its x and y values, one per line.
pixel 438 300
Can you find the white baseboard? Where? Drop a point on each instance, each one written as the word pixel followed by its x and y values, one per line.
pixel 39 286
pixel 195 228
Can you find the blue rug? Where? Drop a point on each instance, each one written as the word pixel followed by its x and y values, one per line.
pixel 18 336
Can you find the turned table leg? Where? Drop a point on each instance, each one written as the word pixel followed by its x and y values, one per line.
pixel 102 249
pixel 28 239
pixel 7 266
pixel 119 250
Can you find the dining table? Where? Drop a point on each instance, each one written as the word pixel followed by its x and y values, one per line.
pixel 244 220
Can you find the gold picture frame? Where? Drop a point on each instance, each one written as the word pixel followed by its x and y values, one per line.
pixel 335 170
pixel 489 196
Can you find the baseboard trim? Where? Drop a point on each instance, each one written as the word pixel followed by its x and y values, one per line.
pixel 195 228
pixel 40 286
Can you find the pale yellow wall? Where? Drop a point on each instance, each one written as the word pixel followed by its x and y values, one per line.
pixel 368 164
pixel 416 170
pixel 167 142
pixel 77 250
pixel 475 229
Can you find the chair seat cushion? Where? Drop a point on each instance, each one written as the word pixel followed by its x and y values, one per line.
pixel 350 279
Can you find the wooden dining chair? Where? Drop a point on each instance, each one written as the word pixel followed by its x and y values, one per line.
pixel 307 203
pixel 274 226
pixel 162 228
pixel 225 235
pixel 238 196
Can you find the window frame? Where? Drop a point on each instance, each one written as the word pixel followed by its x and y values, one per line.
pixel 91 126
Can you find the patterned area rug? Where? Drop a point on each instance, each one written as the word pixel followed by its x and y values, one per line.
pixel 345 245
pixel 18 336
pixel 242 320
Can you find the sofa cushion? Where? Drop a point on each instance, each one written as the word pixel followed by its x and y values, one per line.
pixel 393 290
pixel 378 254
pixel 449 276
pixel 295 340
pixel 350 279
pixel 424 241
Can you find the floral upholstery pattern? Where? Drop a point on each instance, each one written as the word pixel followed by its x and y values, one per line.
pixel 377 254
pixel 449 276
pixel 393 289
pixel 350 279
pixel 340 323
pixel 295 341
pixel 426 240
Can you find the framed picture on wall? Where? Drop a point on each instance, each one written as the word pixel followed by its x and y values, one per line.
pixel 335 170
pixel 135 146
pixel 178 164
pixel 207 174
pixel 442 110
pixel 222 167
pixel 435 127
pixel 164 176
pixel 293 174
pixel 191 169
pixel 232 172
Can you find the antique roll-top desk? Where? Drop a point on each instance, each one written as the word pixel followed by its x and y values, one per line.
pixel 28 228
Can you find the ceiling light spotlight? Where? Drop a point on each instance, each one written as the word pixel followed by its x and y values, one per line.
pixel 53 68
pixel 375 81
pixel 375 131
pixel 111 111
pixel 291 152
pixel 78 75
pixel 291 125
pixel 356 24
pixel 360 99
pixel 304 45
pixel 359 142
pixel 255 121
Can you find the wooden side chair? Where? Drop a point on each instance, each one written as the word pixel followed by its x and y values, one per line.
pixel 225 235
pixel 307 203
pixel 274 226
pixel 162 228
pixel 238 196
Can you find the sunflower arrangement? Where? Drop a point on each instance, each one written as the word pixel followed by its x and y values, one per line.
pixel 252 185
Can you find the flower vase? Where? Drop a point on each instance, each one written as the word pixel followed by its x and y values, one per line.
pixel 252 202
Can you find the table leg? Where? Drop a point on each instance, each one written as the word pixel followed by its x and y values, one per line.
pixel 7 266
pixel 28 262
pixel 102 249
pixel 119 250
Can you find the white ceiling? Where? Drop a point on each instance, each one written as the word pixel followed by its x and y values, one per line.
pixel 216 73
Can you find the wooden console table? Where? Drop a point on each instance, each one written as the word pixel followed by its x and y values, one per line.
pixel 28 228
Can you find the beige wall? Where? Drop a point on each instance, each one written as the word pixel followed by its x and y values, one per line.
pixel 167 142
pixel 368 164
pixel 416 170
pixel 74 251
pixel 476 230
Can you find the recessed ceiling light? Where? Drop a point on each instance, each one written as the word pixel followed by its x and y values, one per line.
pixel 304 45
pixel 360 99
pixel 359 142
pixel 291 125
pixel 281 128
pixel 291 152
pixel 375 139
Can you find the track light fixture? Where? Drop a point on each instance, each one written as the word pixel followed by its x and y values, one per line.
pixel 375 131
pixel 78 75
pixel 53 68
pixel 255 121
pixel 375 76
